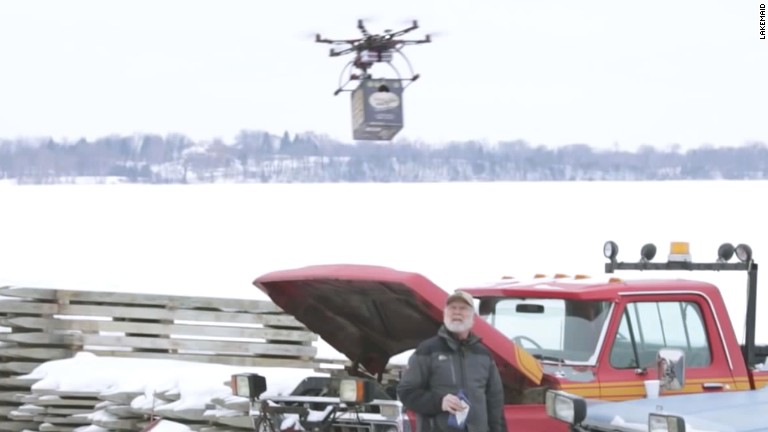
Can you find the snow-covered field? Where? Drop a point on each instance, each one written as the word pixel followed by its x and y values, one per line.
pixel 213 240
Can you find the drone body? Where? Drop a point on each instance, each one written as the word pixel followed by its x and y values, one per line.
pixel 377 110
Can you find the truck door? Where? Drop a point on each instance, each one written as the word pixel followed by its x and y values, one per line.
pixel 646 323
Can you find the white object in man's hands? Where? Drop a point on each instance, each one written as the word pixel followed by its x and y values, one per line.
pixel 461 415
pixel 458 419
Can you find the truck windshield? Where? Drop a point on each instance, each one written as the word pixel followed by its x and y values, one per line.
pixel 550 329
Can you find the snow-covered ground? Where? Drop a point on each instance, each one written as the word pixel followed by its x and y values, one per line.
pixel 213 240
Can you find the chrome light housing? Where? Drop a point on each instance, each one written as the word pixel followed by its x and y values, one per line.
pixel 665 423
pixel 566 407
pixel 248 385
pixel 356 391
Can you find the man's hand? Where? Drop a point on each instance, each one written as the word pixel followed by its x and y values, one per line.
pixel 451 403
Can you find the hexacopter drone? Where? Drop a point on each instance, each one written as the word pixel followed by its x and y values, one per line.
pixel 376 102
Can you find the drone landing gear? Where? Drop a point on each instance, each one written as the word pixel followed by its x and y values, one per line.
pixel 354 77
pixel 363 74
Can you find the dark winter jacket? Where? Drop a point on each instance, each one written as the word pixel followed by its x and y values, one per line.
pixel 441 365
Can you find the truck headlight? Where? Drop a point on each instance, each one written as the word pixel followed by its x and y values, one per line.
pixel 390 411
pixel 665 423
pixel 248 385
pixel 354 391
pixel 565 407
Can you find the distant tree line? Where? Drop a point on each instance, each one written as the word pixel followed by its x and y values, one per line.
pixel 257 156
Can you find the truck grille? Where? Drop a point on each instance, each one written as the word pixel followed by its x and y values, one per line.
pixel 341 427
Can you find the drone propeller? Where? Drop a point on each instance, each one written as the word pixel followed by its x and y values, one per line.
pixel 408 23
pixel 367 19
pixel 436 34
pixel 307 34
pixel 413 24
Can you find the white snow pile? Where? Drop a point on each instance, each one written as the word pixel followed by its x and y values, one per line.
pixel 127 391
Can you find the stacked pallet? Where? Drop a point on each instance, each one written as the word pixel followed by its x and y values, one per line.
pixel 39 325
pixel 228 414
pixel 13 390
pixel 54 413
pixel 47 324
pixel 116 394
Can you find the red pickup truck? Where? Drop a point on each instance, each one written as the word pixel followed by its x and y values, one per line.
pixel 595 337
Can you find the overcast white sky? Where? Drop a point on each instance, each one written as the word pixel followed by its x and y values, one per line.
pixel 551 72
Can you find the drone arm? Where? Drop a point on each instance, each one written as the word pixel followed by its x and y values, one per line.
pixel 413 27
pixel 337 41
pixel 427 39
pixel 362 28
pixel 335 53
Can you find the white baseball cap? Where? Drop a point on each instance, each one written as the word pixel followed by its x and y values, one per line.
pixel 463 296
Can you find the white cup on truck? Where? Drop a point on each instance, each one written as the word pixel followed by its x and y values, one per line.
pixel 652 388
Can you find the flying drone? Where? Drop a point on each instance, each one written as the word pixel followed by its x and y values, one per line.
pixel 377 112
pixel 370 49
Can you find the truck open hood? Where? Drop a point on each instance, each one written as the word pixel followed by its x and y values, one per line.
pixel 371 313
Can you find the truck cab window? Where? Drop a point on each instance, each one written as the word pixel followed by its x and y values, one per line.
pixel 646 327
pixel 553 330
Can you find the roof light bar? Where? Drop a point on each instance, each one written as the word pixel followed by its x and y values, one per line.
pixel 680 258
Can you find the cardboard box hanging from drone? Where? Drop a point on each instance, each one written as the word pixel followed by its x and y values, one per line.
pixel 377 109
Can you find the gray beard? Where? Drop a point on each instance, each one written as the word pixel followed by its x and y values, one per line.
pixel 457 327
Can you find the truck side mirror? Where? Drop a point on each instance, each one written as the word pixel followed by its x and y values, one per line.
pixel 670 366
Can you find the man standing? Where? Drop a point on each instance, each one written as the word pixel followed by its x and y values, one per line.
pixel 452 382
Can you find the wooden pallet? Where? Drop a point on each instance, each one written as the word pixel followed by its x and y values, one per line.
pixel 38 325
